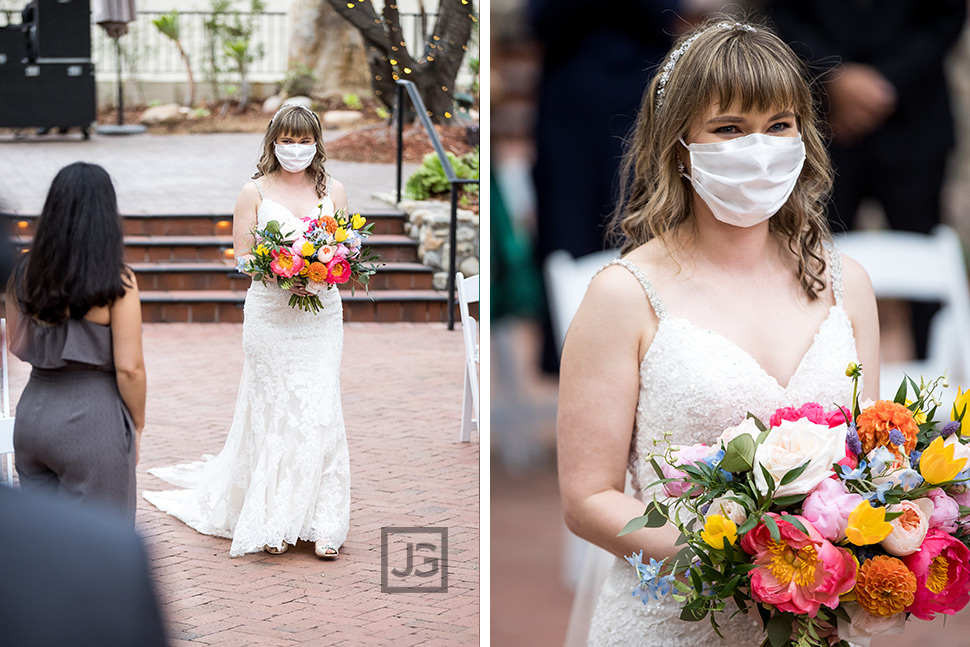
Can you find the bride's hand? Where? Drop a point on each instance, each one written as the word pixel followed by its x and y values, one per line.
pixel 300 291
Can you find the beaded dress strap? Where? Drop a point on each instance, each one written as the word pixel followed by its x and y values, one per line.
pixel 258 190
pixel 835 260
pixel 658 306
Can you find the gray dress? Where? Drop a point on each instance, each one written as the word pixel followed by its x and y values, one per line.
pixel 73 435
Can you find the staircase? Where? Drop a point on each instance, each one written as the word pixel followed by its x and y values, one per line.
pixel 186 272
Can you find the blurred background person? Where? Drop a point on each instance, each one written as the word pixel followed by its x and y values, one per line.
pixel 74 315
pixel 881 67
pixel 73 575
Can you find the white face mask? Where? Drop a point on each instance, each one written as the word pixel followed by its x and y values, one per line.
pixel 746 180
pixel 295 157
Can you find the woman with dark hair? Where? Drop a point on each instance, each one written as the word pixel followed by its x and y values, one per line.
pixel 284 472
pixel 74 314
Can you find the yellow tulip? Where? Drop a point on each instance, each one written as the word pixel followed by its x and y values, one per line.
pixel 937 464
pixel 719 529
pixel 959 407
pixel 307 249
pixel 261 250
pixel 358 221
pixel 867 525
pixel 340 235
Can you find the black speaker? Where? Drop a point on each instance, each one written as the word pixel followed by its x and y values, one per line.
pixel 63 30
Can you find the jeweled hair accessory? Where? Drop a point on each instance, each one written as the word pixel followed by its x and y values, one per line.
pixel 294 105
pixel 677 53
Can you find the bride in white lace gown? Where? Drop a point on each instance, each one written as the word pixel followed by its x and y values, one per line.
pixel 284 472
pixel 728 299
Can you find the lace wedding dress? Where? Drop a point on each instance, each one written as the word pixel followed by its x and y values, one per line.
pixel 284 472
pixel 694 383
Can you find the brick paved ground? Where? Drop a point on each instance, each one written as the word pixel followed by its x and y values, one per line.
pixel 402 387
pixel 165 173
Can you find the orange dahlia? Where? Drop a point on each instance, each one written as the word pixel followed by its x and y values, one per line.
pixel 884 586
pixel 317 272
pixel 875 423
pixel 329 223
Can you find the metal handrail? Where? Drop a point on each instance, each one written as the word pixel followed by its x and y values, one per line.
pixel 453 180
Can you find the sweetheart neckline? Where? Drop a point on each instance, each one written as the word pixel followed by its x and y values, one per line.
pixel 687 322
pixel 287 209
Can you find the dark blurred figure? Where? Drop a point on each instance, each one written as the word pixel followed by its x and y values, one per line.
pixel 881 66
pixel 74 315
pixel 598 60
pixel 72 575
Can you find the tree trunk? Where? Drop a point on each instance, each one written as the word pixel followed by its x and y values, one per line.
pixel 190 92
pixel 433 70
pixel 329 46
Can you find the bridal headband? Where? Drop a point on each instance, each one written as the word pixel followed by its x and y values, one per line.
pixel 677 53
pixel 294 105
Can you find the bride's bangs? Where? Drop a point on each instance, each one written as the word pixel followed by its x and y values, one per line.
pixel 296 123
pixel 753 71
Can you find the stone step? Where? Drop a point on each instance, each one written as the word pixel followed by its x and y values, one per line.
pixel 221 275
pixel 387 306
pixel 194 249
pixel 140 224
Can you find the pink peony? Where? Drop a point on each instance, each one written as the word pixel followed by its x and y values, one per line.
pixel 683 456
pixel 339 270
pixel 961 494
pixel 946 511
pixel 828 506
pixel 814 412
pixel 799 573
pixel 942 569
pixel 285 263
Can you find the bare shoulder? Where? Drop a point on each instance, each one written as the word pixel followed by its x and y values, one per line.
pixel 855 280
pixel 338 193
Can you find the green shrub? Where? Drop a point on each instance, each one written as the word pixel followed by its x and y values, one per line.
pixel 299 80
pixel 429 180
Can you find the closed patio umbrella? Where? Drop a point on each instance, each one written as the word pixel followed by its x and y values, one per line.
pixel 113 16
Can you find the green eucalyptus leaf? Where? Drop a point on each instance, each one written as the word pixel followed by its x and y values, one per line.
pixel 739 454
pixel 779 629
pixel 791 475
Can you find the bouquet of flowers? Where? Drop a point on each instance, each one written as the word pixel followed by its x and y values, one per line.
pixel 327 251
pixel 836 525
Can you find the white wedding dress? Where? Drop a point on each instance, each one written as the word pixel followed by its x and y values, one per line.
pixel 694 383
pixel 284 472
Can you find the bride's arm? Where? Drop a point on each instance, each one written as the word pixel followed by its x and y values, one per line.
pixel 243 220
pixel 860 305
pixel 598 388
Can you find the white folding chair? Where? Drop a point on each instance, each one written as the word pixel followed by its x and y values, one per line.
pixel 566 280
pixel 6 422
pixel 921 267
pixel 468 291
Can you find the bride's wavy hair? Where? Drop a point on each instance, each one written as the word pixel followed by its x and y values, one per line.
pixel 294 121
pixel 727 62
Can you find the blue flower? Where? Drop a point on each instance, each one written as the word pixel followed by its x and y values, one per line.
pixel 879 459
pixel 652 585
pixel 914 458
pixel 896 437
pixel 241 265
pixel 909 479
pixel 714 459
pixel 856 474
pixel 880 493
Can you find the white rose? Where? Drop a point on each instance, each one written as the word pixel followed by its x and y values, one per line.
pixel 909 529
pixel 747 426
pixel 325 253
pixel 793 443
pixel 863 626
pixel 728 508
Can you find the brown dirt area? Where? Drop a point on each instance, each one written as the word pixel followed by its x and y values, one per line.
pixel 374 141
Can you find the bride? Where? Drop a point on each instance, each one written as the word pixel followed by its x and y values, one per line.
pixel 284 471
pixel 728 298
